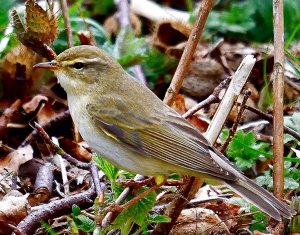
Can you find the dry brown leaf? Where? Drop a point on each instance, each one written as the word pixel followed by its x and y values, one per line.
pixel 179 106
pixel 75 149
pixel 33 104
pixel 16 158
pixel 19 77
pixel 7 116
pixel 12 210
pixel 202 78
pixel 171 36
pixel 112 26
pixel 39 30
pixel 40 26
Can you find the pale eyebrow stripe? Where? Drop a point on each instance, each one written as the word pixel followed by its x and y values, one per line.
pixel 84 60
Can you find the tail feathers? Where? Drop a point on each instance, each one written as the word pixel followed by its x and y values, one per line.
pixel 261 198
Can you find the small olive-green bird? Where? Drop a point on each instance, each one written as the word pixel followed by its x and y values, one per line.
pixel 130 126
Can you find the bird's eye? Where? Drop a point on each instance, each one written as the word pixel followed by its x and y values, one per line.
pixel 78 65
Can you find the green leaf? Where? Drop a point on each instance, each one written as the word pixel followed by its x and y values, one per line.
pixel 259 221
pixel 102 7
pixel 159 219
pixel 265 180
pixel 109 169
pixel 128 49
pixel 246 150
pixel 292 159
pixel 238 19
pixel 289 182
pixel 294 123
pixel 84 223
pixel 77 24
pixel 295 222
pixel 253 20
pixel 137 213
pixel 48 228
pixel 76 210
pixel 248 207
pixel 157 64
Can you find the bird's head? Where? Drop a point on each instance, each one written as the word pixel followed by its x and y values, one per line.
pixel 82 67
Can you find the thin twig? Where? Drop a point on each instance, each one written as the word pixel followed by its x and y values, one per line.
pixel 188 52
pixel 213 98
pixel 269 118
pixel 123 14
pixel 236 122
pixel 108 217
pixel 64 116
pixel 100 187
pixel 59 150
pixel 278 91
pixel 177 204
pixel 64 8
pixel 55 209
pixel 118 209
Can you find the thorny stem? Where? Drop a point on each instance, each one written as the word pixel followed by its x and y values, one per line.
pixel 237 121
pixel 108 217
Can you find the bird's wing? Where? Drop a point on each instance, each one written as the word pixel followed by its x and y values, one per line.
pixel 165 136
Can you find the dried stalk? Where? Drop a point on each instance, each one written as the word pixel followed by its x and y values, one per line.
pixel 64 8
pixel 188 52
pixel 278 86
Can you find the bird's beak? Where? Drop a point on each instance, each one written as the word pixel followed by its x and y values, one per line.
pixel 52 65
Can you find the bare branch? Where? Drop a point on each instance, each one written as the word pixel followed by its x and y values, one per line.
pixel 188 53
pixel 64 8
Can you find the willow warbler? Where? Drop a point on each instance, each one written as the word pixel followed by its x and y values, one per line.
pixel 129 125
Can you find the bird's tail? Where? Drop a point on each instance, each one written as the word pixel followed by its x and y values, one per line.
pixel 261 198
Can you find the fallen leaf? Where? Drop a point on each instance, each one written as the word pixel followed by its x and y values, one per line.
pixel 16 158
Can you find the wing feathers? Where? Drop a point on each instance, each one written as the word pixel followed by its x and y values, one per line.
pixel 159 138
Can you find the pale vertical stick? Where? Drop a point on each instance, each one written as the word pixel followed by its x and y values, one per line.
pixel 234 89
